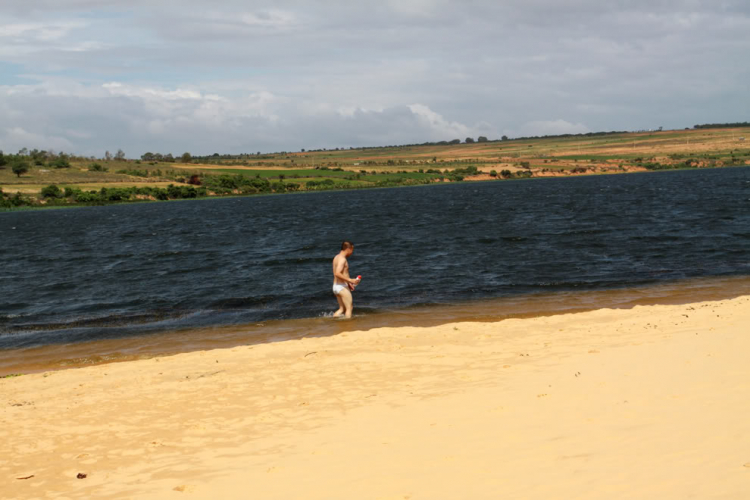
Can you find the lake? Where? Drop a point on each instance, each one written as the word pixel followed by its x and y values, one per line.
pixel 132 271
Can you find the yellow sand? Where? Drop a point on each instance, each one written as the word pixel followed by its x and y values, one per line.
pixel 647 403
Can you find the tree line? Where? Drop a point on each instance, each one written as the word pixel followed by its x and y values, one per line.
pixel 722 125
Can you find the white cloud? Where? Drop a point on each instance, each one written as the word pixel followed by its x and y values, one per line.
pixel 552 127
pixel 39 31
pixel 439 127
pixel 234 76
pixel 116 88
pixel 15 138
pixel 277 19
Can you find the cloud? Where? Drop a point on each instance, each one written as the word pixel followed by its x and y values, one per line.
pixel 552 127
pixel 234 76
pixel 39 31
pixel 439 127
pixel 16 138
pixel 140 118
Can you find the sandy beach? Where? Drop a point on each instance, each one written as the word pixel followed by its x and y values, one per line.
pixel 648 402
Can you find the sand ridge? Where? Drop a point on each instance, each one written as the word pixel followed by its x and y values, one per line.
pixel 649 402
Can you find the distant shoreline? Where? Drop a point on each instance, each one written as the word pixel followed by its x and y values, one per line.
pixel 437 183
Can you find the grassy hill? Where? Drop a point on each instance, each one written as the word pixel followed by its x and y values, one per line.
pixel 98 181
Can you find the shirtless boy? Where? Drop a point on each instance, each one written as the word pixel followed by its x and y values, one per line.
pixel 343 285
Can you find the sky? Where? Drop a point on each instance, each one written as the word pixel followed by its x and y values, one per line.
pixel 239 76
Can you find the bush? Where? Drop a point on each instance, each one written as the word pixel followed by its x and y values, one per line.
pixel 52 191
pixel 229 182
pixel 114 194
pixel 71 192
pixel 96 167
pixel 87 197
pixel 60 162
pixel 493 173
pixel 14 201
pixel 134 172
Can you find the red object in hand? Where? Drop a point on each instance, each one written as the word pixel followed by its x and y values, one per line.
pixel 359 277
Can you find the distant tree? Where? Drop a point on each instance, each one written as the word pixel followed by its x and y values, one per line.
pixel 469 140
pixel 481 138
pixel 3 160
pixel 23 152
pixel 504 138
pixel 455 141
pixel 108 156
pixel 186 158
pixel 303 150
pixel 19 166
pixel 120 155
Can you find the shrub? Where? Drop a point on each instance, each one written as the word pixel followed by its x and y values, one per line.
pixel 71 192
pixel 134 172
pixel 228 181
pixel 96 167
pixel 14 201
pixel 87 197
pixel 60 162
pixel 51 191
pixel 114 194
pixel 493 173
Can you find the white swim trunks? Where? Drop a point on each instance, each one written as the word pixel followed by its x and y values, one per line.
pixel 337 289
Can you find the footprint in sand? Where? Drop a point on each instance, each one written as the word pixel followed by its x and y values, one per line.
pixel 185 488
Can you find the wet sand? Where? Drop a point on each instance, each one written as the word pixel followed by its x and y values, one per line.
pixel 109 350
pixel 645 402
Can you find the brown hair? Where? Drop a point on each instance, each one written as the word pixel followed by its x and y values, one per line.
pixel 347 244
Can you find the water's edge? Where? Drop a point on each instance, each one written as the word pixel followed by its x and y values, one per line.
pixel 77 355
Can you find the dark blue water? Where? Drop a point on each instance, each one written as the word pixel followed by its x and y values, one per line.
pixel 107 272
